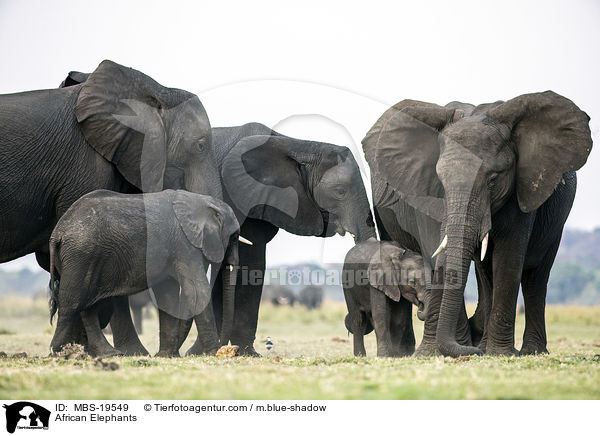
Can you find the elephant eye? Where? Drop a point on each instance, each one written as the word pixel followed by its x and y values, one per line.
pixel 340 190
pixel 201 144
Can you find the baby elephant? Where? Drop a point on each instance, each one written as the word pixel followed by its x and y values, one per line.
pixel 375 277
pixel 113 245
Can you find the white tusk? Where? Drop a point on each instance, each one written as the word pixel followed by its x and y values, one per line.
pixel 441 247
pixel 230 267
pixel 245 241
pixel 352 234
pixel 208 273
pixel 484 246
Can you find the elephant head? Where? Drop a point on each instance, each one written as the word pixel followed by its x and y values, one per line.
pixel 305 187
pixel 398 272
pixel 458 165
pixel 156 137
pixel 210 225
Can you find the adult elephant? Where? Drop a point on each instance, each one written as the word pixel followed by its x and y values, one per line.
pixel 119 130
pixel 311 297
pixel 273 181
pixel 494 182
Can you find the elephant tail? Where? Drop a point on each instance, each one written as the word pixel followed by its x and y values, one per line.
pixel 54 283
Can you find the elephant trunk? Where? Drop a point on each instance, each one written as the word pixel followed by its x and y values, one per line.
pixel 229 276
pixel 203 179
pixel 358 218
pixel 462 228
pixel 366 228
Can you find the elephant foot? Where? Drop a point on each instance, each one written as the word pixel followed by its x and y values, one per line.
pixel 103 351
pixel 530 348
pixel 133 349
pixel 427 349
pixel 195 350
pixel 198 350
pixel 248 350
pixel 167 353
pixel 501 351
pixel 482 345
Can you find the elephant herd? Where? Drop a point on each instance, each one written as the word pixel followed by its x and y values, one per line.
pixel 119 184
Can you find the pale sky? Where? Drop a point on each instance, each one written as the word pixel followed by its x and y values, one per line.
pixel 320 71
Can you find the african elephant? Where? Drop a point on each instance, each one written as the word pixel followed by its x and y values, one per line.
pixel 110 245
pixel 279 295
pixel 118 130
pixel 492 183
pixel 381 280
pixel 311 297
pixel 272 181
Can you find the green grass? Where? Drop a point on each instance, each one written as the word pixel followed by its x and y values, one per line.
pixel 312 359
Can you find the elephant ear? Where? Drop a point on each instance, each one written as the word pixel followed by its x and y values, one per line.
pixel 402 146
pixel 120 111
pixel 551 135
pixel 74 78
pixel 196 218
pixel 264 176
pixel 385 270
pixel 402 149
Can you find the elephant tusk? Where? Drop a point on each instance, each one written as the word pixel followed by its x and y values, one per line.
pixel 245 241
pixel 441 247
pixel 230 267
pixel 352 234
pixel 484 245
pixel 208 270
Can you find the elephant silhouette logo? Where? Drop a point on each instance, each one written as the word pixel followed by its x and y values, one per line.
pixel 26 415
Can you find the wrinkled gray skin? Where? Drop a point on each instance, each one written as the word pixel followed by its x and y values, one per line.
pixel 381 281
pixel 121 131
pixel 279 295
pixel 460 173
pixel 311 297
pixel 111 245
pixel 272 181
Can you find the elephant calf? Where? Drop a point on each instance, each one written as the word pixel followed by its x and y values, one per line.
pixel 113 245
pixel 380 280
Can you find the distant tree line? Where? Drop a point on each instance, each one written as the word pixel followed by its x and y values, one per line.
pixel 575 277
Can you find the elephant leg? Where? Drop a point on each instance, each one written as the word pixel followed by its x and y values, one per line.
pixel 63 334
pixel 97 346
pixel 173 331
pixel 105 312
pixel 358 344
pixel 357 324
pixel 382 322
pixel 69 327
pixel 207 341
pixel 125 337
pixel 510 245
pixel 136 311
pixel 217 306
pixel 535 285
pixel 403 335
pixel 248 291
pixel 478 322
pixel 463 330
